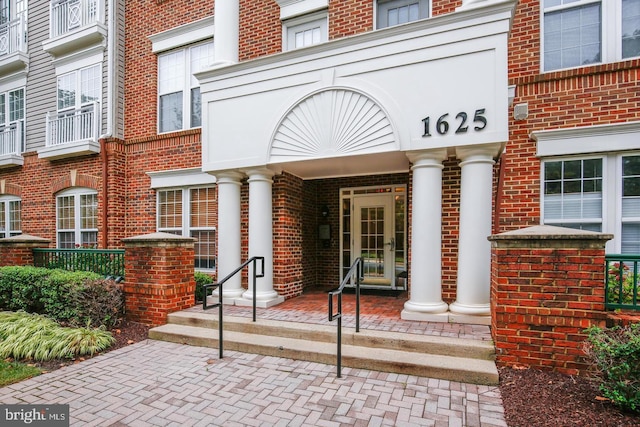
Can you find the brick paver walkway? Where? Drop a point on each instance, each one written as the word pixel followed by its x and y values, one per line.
pixel 154 383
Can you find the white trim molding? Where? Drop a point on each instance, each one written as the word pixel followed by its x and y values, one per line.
pixel 180 178
pixel 587 139
pixel 183 35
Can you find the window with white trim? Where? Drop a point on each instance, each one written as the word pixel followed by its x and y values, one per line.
pixel 584 32
pixel 179 104
pixel 573 193
pixel 12 121
pixel 396 12
pixel 79 94
pixel 10 216
pixel 305 31
pixel 597 194
pixel 77 218
pixel 190 212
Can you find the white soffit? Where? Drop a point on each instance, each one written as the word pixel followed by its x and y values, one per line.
pixel 182 35
pixel 292 8
pixel 587 139
pixel 180 178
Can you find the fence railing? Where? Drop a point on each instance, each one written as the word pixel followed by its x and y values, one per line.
pixel 12 36
pixel 106 262
pixel 68 15
pixel 621 282
pixel 69 126
pixel 11 139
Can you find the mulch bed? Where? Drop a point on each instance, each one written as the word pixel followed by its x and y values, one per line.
pixel 540 398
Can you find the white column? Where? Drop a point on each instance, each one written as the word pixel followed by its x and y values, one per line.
pixel 474 250
pixel 426 238
pixel 229 233
pixel 261 238
pixel 226 31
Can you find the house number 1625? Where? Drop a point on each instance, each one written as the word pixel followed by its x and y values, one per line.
pixel 442 125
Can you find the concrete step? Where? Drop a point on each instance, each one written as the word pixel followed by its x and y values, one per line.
pixel 453 359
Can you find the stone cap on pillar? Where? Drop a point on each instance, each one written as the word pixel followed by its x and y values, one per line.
pixel 26 240
pixel 545 236
pixel 159 239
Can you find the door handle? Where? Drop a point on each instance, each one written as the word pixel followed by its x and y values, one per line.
pixel 392 244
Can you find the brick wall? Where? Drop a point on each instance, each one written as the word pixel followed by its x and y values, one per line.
pixel 546 289
pixel 160 276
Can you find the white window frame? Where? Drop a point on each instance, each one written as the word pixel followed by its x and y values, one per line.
pixel 16 125
pixel 185 83
pixel 77 230
pixel 382 6
pixel 602 220
pixel 185 229
pixel 610 31
pixel 611 142
pixel 77 75
pixel 5 208
pixel 302 23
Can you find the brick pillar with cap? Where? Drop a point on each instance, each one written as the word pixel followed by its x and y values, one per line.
pixel 547 287
pixel 159 276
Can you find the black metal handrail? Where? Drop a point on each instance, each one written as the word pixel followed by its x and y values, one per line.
pixel 355 270
pixel 205 289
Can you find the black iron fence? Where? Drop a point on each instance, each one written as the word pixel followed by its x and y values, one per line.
pixel 621 282
pixel 106 262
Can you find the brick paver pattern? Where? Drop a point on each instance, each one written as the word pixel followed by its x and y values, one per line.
pixel 154 383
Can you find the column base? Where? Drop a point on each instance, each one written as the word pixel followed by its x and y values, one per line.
pixel 472 309
pixel 264 300
pixel 427 308
pixel 228 295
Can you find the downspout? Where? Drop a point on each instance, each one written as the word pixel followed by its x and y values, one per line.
pixel 111 72
pixel 498 200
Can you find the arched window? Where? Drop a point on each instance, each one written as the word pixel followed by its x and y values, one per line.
pixel 77 218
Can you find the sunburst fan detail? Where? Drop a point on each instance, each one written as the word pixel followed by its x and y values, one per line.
pixel 332 122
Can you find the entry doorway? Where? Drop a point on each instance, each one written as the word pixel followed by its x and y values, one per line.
pixel 373 227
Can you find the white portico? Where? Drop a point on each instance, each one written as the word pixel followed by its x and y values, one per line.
pixel 398 100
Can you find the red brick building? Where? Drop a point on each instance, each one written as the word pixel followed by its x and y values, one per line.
pixel 313 132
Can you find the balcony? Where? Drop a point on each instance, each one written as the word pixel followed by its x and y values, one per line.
pixel 13 46
pixel 11 144
pixel 72 133
pixel 75 25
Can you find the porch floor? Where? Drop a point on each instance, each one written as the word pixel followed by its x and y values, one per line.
pixel 377 312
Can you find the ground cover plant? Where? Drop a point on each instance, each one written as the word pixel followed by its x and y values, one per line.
pixel 13 372
pixel 36 337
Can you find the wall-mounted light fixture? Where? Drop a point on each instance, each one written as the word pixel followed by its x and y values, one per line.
pixel 324 211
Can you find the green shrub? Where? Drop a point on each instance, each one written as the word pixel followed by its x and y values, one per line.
pixel 201 280
pixel 615 354
pixel 97 302
pixel 74 297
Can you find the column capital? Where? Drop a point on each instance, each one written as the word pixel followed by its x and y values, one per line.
pixel 228 177
pixel 259 174
pixel 433 157
pixel 486 152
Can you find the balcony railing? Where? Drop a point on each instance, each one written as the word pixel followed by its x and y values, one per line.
pixel 80 124
pixel 11 139
pixel 621 282
pixel 69 15
pixel 12 36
